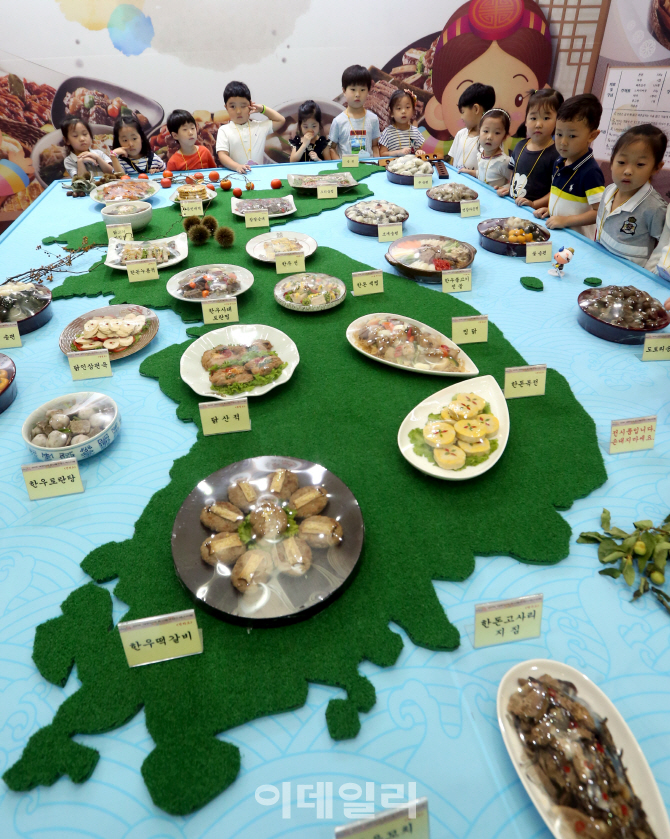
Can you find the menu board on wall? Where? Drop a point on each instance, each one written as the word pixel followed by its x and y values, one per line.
pixel 633 95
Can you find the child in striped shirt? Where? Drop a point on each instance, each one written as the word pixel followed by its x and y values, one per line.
pixel 400 137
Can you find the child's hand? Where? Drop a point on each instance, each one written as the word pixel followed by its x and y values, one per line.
pixel 557 222
pixel 407 150
pixel 503 191
pixel 120 152
pixel 242 168
pixel 543 212
pixel 313 155
pixel 667 304
pixel 308 138
pixel 155 169
pixel 255 109
pixel 523 202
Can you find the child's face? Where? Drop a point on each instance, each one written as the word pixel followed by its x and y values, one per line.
pixel 471 114
pixel 491 134
pixel 356 94
pixel 79 138
pixel 633 165
pixel 238 109
pixel 540 124
pixel 131 141
pixel 573 138
pixel 403 110
pixel 310 126
pixel 186 135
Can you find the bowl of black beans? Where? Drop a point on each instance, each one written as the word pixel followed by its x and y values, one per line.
pixel 623 314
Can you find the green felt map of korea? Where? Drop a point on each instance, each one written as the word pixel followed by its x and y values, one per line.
pixel 341 410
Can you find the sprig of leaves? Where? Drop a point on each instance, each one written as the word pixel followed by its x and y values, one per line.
pixel 642 553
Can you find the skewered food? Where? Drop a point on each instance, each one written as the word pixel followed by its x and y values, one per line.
pixel 235 369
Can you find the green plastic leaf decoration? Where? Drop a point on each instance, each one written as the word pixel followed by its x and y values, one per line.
pixel 593 281
pixel 532 283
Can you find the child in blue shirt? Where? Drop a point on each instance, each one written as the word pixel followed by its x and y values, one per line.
pixel 356 130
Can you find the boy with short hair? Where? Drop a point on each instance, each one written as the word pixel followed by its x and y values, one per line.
pixel 240 143
pixel 355 130
pixel 577 184
pixel 183 129
pixel 473 103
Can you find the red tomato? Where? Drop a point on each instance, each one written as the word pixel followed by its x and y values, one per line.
pixel 275 184
pixel 237 192
pixel 167 173
pixel 113 111
pixel 190 179
pixel 199 176
pixel 214 176
pixel 227 184
pixel 166 183
pixel 249 185
pixel 125 177
pixel 144 176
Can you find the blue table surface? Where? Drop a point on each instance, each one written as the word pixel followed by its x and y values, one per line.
pixel 434 723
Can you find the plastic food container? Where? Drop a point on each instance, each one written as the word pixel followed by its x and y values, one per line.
pixel 503 248
pixel 137 219
pixel 447 206
pixel 612 331
pixel 27 304
pixel 7 382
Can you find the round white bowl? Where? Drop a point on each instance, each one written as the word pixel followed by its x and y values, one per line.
pixel 138 220
pixel 94 445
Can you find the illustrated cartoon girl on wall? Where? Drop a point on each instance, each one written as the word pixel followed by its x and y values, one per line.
pixel 504 43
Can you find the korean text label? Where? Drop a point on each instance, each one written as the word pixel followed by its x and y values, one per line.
pixel 56 477
pixel 389 232
pixel 9 335
pixel 525 381
pixel 454 282
pixel 470 208
pixel 472 330
pixel 225 417
pixel 350 161
pixel 367 282
pixel 423 181
pixel 290 262
pixel 632 435
pixel 120 231
pixel 160 638
pixel 191 207
pixel 538 252
pixel 142 269
pixel 411 820
pixel 656 347
pixel 503 621
pixel 259 218
pixel 220 311
pixel 326 191
pixel 89 364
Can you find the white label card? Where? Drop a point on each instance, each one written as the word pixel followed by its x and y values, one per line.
pixel 410 820
pixel 503 621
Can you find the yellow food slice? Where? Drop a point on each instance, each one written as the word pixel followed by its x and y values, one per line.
pixel 462 408
pixel 470 430
pixel 471 399
pixel 278 480
pixel 225 512
pixel 307 496
pixel 478 448
pixel 446 416
pixel 450 457
pixel 439 434
pixel 490 422
pixel 248 490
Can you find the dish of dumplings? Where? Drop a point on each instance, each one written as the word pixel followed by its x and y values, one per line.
pixel 459 432
pixel 268 540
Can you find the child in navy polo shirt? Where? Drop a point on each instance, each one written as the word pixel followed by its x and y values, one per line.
pixel 632 214
pixel 577 184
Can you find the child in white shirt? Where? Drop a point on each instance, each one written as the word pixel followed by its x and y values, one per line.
pixel 240 143
pixel 473 103
pixel 492 162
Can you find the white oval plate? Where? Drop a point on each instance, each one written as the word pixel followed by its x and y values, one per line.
pixel 484 386
pixel 94 193
pixel 296 307
pixel 471 368
pixel 639 773
pixel 177 200
pixel 196 377
pixel 181 241
pixel 256 249
pixel 288 198
pixel 245 277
